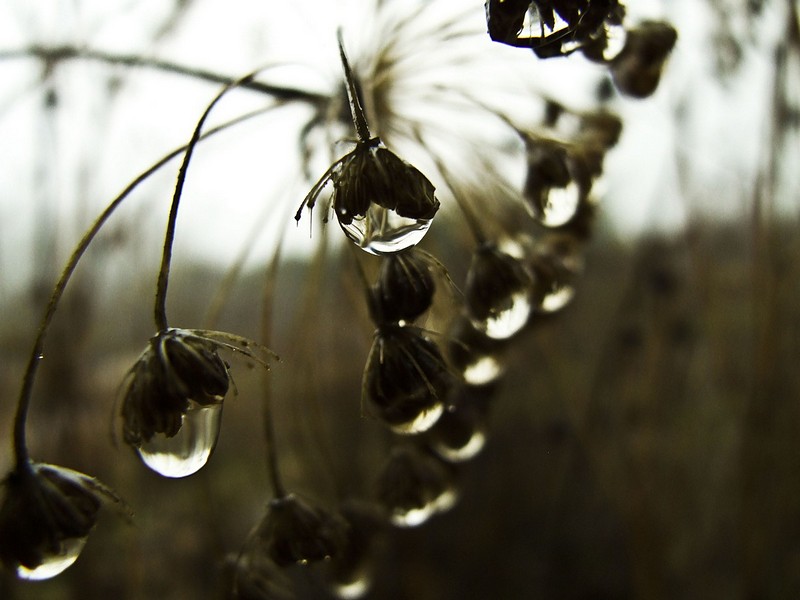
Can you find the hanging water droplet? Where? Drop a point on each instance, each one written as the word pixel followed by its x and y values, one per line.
pixel 557 183
pixel 557 262
pixel 460 434
pixel 54 564
pixel 505 322
pixel 482 370
pixel 350 590
pixel 188 450
pixel 382 231
pixel 615 41
pixel 421 422
pixel 498 293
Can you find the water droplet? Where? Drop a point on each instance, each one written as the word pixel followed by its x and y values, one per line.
pixel 54 564
pixel 482 370
pixel 498 293
pixel 615 41
pixel 350 590
pixel 557 262
pixel 414 517
pixel 383 231
pixel 467 451
pixel 504 323
pixel 421 422
pixel 187 451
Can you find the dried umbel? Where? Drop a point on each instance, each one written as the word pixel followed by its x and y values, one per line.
pixel 172 406
pixel 498 292
pixel 637 70
pixel 413 486
pixel 404 289
pixel 296 532
pixel 406 379
pixel 46 517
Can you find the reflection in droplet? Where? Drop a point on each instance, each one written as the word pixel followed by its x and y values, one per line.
pixel 556 298
pixel 383 231
pixel 503 324
pixel 615 41
pixel 54 564
pixel 352 589
pixel 423 421
pixel 188 451
pixel 416 516
pixel 463 453
pixel 559 204
pixel 484 369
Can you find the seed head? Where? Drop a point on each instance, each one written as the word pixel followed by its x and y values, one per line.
pixel 177 367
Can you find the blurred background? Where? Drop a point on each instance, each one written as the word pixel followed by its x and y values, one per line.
pixel 642 441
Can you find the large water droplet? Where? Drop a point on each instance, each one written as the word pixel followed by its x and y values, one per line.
pixel 187 451
pixel 54 564
pixel 383 231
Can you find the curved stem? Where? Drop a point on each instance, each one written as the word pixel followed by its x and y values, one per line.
pixel 160 309
pixel 266 334
pixel 23 404
pixel 359 119
pixel 58 53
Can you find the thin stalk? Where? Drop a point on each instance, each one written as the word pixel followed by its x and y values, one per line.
pixel 270 438
pixel 23 404
pixel 357 112
pixel 160 309
pixel 59 53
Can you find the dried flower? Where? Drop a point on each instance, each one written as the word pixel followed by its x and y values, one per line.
pixel 413 486
pixel 404 289
pixel 172 404
pixel 406 379
pixel 46 516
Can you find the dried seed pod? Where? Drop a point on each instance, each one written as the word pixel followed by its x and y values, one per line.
pixel 498 291
pixel 404 289
pixel 172 405
pixel 46 516
pixel 637 70
pixel 295 532
pixel 406 379
pixel 414 486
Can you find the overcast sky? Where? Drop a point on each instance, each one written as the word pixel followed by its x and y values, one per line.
pixel 59 168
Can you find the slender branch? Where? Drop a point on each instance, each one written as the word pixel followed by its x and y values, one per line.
pixel 59 53
pixel 23 404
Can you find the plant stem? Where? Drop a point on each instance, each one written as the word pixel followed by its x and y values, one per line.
pixel 160 309
pixel 23 404
pixel 59 53
pixel 357 112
